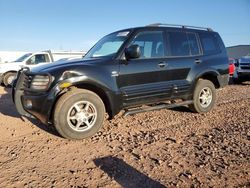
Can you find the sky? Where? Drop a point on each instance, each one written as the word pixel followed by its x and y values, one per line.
pixel 34 25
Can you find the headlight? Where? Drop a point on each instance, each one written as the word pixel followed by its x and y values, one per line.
pixel 41 82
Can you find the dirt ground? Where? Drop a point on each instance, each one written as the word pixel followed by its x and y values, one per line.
pixel 166 148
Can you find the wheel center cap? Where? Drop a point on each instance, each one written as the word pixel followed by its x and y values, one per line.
pixel 81 116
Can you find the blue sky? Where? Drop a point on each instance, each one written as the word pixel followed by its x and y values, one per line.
pixel 32 25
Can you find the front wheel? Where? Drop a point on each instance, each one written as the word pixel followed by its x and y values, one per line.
pixel 9 78
pixel 204 96
pixel 79 114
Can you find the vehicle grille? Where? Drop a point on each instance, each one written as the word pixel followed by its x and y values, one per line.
pixel 23 80
pixel 27 81
pixel 245 66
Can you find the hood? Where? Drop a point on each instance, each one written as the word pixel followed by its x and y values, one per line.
pixel 12 66
pixel 244 59
pixel 13 63
pixel 62 64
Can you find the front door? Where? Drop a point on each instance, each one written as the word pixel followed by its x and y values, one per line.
pixel 37 59
pixel 144 79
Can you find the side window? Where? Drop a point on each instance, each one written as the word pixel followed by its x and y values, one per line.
pixel 179 45
pixel 209 43
pixel 151 44
pixel 46 58
pixel 39 58
pixel 193 44
pixel 31 60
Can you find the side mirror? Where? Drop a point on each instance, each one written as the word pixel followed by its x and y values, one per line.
pixel 28 62
pixel 133 52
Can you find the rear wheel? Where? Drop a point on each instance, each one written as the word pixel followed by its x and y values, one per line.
pixel 204 96
pixel 79 114
pixel 9 78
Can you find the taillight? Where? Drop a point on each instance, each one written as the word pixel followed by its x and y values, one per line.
pixel 231 69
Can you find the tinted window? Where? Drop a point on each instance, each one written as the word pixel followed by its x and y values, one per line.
pixel 193 44
pixel 178 43
pixel 150 43
pixel 209 43
pixel 39 58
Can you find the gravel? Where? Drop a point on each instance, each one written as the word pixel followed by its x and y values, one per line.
pixel 165 148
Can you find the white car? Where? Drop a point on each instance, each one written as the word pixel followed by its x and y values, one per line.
pixel 8 71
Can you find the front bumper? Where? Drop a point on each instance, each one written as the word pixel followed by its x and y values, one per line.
pixel 242 73
pixel 33 104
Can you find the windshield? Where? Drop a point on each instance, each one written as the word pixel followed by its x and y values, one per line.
pixel 108 45
pixel 20 59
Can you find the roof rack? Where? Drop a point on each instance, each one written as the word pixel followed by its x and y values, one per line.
pixel 176 25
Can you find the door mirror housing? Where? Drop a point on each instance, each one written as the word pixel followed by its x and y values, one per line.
pixel 133 52
pixel 28 62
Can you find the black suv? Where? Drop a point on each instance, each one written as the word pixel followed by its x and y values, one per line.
pixel 135 70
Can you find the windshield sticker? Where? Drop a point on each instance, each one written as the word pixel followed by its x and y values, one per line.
pixel 123 34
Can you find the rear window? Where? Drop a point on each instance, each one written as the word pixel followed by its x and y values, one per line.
pixel 209 43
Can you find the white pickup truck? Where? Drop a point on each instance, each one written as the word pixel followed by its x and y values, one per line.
pixel 8 71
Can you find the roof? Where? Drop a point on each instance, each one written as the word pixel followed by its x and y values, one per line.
pixel 238 51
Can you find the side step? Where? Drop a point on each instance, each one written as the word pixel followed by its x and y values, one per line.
pixel 157 107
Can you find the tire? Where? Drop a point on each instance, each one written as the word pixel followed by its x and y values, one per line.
pixel 8 78
pixel 202 102
pixel 78 114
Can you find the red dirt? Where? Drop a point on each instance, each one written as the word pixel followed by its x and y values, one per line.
pixel 154 149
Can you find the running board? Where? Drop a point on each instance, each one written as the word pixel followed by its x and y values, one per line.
pixel 157 107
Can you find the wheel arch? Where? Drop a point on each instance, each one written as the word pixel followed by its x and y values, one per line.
pixel 10 71
pixel 107 100
pixel 101 93
pixel 4 74
pixel 211 75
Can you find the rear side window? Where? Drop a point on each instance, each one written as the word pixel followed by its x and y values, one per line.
pixel 178 43
pixel 193 44
pixel 209 43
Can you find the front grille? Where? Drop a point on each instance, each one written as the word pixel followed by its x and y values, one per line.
pixel 27 81
pixel 23 79
pixel 244 64
pixel 245 67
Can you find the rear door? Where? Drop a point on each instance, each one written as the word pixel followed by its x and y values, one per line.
pixel 184 55
pixel 143 80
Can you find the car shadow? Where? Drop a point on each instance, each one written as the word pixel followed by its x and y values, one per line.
pixel 124 174
pixel 8 108
pixel 181 109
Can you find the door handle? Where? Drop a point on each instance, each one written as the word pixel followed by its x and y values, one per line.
pixel 197 61
pixel 162 64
